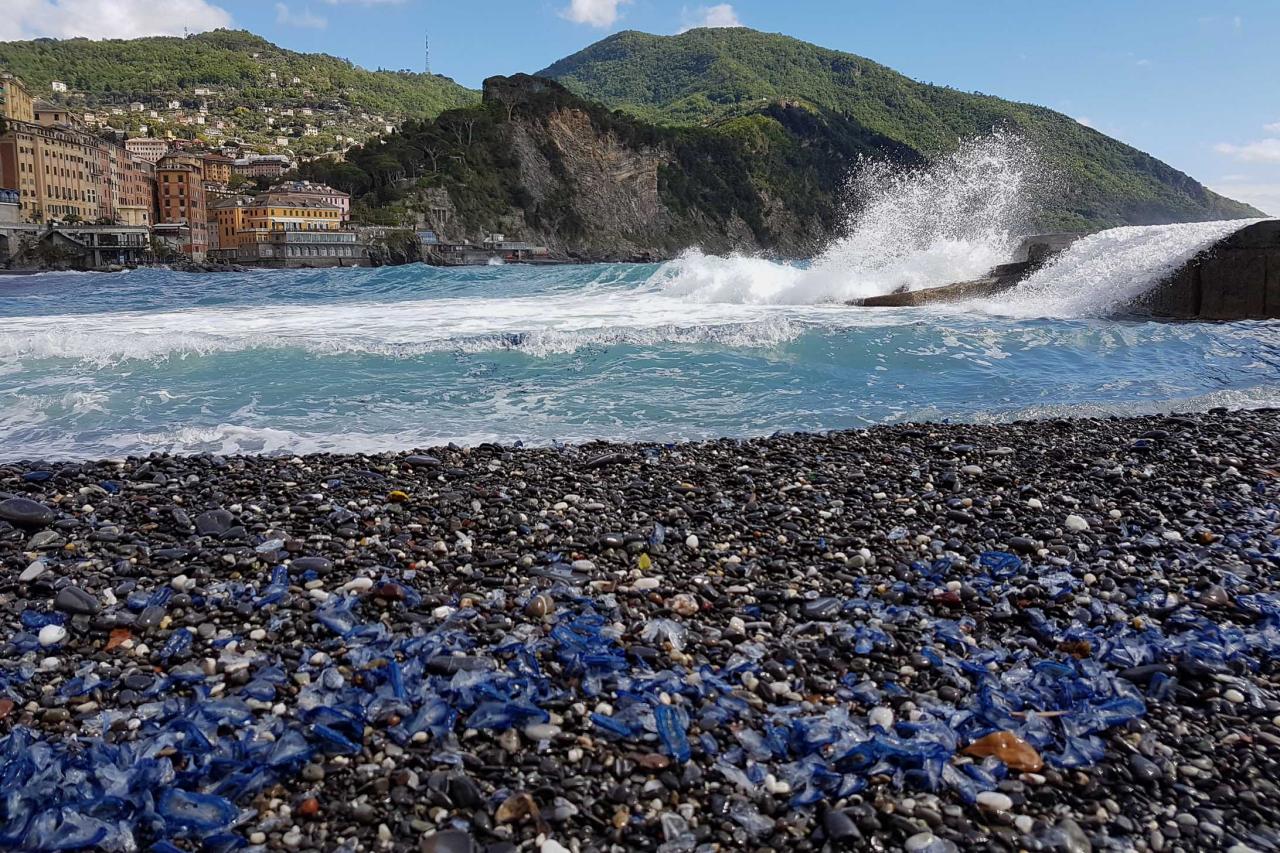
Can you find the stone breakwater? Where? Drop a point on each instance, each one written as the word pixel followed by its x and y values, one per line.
pixel 1055 635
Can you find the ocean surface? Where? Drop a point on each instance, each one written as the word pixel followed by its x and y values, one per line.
pixel 105 365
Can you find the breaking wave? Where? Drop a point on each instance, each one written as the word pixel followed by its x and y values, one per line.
pixel 1104 273
pixel 912 229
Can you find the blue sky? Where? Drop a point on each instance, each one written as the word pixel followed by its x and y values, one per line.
pixel 1191 82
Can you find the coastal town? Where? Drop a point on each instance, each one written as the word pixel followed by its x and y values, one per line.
pixel 75 194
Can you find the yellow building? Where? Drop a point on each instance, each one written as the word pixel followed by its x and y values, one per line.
pixel 283 230
pixel 56 171
pixel 16 103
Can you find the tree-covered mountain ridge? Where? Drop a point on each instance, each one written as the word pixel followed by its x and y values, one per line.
pixel 237 77
pixel 706 76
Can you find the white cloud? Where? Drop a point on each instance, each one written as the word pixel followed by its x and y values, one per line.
pixel 721 15
pixel 1263 195
pixel 1085 120
pixel 1261 151
pixel 596 13
pixel 286 17
pixel 107 19
pixel 1272 128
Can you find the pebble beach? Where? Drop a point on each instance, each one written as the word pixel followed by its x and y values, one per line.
pixel 1055 635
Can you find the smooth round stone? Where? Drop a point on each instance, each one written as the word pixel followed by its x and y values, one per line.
pixel 422 461
pixel 541 731
pixel 972 470
pixel 646 583
pixel 73 599
pixel 448 841
pixel 215 522
pixel 583 566
pixel 1234 696
pixel 821 608
pixel 33 571
pixel 24 512
pixel 922 842
pixel 51 635
pixel 994 801
pixel 319 565
pixel 1076 524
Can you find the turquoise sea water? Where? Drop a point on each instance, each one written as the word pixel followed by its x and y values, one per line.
pixel 106 365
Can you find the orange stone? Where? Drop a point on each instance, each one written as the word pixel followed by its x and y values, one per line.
pixel 308 807
pixel 117 638
pixel 1009 748
pixel 6 708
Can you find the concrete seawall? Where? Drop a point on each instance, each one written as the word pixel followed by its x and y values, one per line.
pixel 1236 279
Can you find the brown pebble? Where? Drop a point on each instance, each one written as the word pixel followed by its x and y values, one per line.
pixel 308 808
pixel 1009 748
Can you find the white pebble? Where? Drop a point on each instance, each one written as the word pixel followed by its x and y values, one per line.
pixel 1023 823
pixel 358 585
pixel 33 571
pixel 1076 524
pixel 972 470
pixel 646 583
pixel 995 801
pixel 1231 695
pixel 691 542
pixel 51 635
pixel 881 716
pixel 444 611
pixel 919 841
pixel 1035 503
pixel 552 846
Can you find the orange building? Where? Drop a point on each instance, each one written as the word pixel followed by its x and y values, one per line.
pixel 217 168
pixel 181 200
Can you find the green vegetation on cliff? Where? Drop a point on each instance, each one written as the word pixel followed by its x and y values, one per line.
pixel 236 65
pixel 705 76
pixel 783 163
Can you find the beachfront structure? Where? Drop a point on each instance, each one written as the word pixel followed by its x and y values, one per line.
pixel 181 200
pixel 320 192
pixel 54 169
pixel 283 229
pixel 147 148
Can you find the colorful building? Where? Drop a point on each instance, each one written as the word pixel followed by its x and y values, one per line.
pixel 217 168
pixel 16 102
pixel 320 192
pixel 281 229
pixel 180 200
pixel 263 166
pixel 146 148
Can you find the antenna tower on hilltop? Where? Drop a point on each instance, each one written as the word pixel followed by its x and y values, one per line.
pixel 426 53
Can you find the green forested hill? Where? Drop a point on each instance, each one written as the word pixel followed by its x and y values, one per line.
pixel 236 65
pixel 705 76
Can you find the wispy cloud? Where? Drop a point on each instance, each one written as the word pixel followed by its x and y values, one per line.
pixel 1274 127
pixel 1085 120
pixel 595 13
pixel 303 19
pixel 720 15
pixel 1260 151
pixel 1262 194
pixel 107 19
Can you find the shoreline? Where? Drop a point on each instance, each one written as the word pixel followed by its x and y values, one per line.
pixel 798 641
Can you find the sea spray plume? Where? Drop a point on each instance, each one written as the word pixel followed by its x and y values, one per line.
pixel 908 229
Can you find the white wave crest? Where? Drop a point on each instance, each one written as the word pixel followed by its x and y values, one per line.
pixel 914 229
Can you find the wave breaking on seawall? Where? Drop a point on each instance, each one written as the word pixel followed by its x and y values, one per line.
pixel 914 229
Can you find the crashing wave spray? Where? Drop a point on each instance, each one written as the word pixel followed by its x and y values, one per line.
pixel 1104 273
pixel 919 228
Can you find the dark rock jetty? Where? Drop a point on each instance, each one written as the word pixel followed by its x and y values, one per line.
pixel 1046 636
